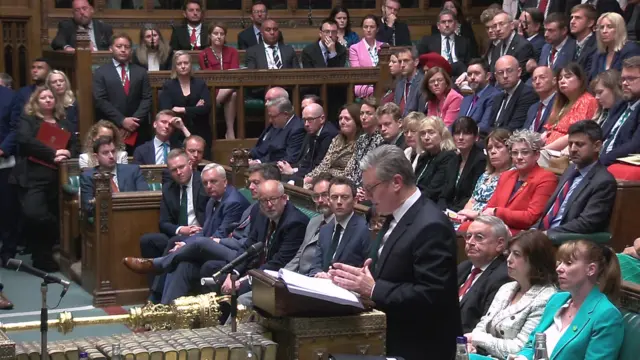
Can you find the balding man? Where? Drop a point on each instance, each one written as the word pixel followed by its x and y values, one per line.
pixel 275 92
pixel 316 142
pixel 544 84
pixel 270 54
pixel 282 139
pixel 99 33
pixel 510 107
pixel 511 43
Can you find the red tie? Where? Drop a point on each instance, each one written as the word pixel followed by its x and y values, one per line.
pixel 467 284
pixel 536 123
pixel 543 6
pixel 125 78
pixel 193 39
pixel 114 187
pixel 552 58
pixel 403 101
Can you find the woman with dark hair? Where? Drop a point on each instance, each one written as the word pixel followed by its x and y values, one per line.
pixel 219 56
pixel 582 321
pixel 365 52
pixel 517 307
pixel 36 175
pixel 346 36
pixel 395 69
pixel 464 26
pixel 465 169
pixel 367 141
pixel 441 99
pixel 153 53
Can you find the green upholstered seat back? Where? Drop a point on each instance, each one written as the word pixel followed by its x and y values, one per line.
pixel 155 186
pixel 309 213
pixel 247 194
pixel 630 268
pixel 631 345
pixel 74 184
pixel 74 181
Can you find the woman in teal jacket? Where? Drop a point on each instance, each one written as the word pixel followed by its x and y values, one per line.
pixel 582 322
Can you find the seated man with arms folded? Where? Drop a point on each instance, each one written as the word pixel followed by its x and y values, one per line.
pixel 282 139
pixel 155 152
pixel 583 200
pixel 346 238
pixel 319 135
pixel 125 177
pixel 480 277
pixel 517 307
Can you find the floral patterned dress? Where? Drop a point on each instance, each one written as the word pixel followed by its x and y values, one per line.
pixel 485 186
pixel 364 144
pixel 584 108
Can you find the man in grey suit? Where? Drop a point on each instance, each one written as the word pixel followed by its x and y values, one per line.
pixel 270 54
pixel 408 94
pixel 583 201
pixel 122 93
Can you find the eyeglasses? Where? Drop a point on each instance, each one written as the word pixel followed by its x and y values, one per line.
pixel 318 196
pixel 523 153
pixel 271 200
pixel 436 81
pixel 369 190
pixel 629 79
pixel 311 119
pixel 258 12
pixel 505 72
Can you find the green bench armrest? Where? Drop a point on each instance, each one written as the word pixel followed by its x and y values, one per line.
pixel 561 238
pixel 69 189
pixel 630 346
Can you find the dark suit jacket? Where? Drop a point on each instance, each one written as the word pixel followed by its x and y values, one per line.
pixel 481 112
pixel 113 104
pixel 180 38
pixel 537 42
pixel 628 12
pixel 415 98
pixel 466 31
pixel 67 35
pixel 8 124
pixel 533 112
pixel 402 35
pixel 315 148
pixel 599 60
pixel 130 178
pixel 514 114
pixel 219 222
pixel 432 180
pixel 519 48
pixel 247 38
pixel 166 65
pixel 256 57
pixel 416 284
pixel 170 204
pixel 564 57
pixel 456 193
pixel 312 57
pixel 353 248
pixel 628 140
pixel 586 55
pixel 19 101
pixel 400 142
pixel 462 49
pixel 478 298
pixel 145 154
pixel 282 144
pixel 285 242
pixel 589 208
pixel 196 118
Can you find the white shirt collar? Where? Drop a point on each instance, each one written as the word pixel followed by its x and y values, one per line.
pixel 584 41
pixel 451 37
pixel 546 101
pixel 190 28
pixel 406 205
pixel 344 222
pixel 117 64
pixel 157 142
pixel 268 47
pixel 370 48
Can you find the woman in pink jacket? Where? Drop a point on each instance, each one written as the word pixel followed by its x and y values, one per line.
pixel 441 100
pixel 365 52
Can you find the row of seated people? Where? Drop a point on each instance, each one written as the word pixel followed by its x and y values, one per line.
pixel 503 300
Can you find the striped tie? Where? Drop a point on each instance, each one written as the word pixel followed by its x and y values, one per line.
pixel 276 58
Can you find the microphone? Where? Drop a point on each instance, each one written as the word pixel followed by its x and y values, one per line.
pixel 17 265
pixel 251 251
pixel 310 14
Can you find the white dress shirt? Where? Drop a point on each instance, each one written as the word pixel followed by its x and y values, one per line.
pixel 555 331
pixel 191 213
pixel 157 145
pixel 373 53
pixel 271 64
pixel 198 33
pixel 397 216
pixel 153 63
pixel 443 47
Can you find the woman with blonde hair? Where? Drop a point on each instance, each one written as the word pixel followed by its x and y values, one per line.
pixel 189 98
pixel 153 53
pixel 608 92
pixel 36 174
pixel 410 128
pixel 613 47
pixel 99 129
pixel 433 164
pixel 60 85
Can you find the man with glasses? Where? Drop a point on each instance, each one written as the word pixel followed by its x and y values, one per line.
pixel 327 52
pixel 99 33
pixel 392 31
pixel 511 105
pixel 485 270
pixel 411 270
pixel 511 43
pixel 251 35
pixel 319 134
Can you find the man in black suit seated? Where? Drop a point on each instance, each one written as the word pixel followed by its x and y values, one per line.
pixel 270 54
pixel 390 123
pixel 392 31
pixel 191 35
pixel 252 35
pixel 450 46
pixel 544 84
pixel 319 134
pixel 182 209
pixel 583 19
pixel 194 146
pixel 282 139
pixel 511 105
pixel 346 239
pixel 156 151
pixel 583 201
pixel 125 177
pixel 411 270
pixel 485 271
pixel 530 27
pixel 99 32
pixel 327 52
pixel 122 94
pixel 511 43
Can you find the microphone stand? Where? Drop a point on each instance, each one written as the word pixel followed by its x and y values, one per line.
pixel 234 303
pixel 44 318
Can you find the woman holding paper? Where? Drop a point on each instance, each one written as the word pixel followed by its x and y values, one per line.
pixel 43 127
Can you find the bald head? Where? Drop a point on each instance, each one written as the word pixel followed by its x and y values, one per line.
pixel 272 198
pixel 275 93
pixel 507 72
pixel 543 81
pixel 313 117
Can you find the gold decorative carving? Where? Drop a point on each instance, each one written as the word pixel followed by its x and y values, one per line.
pixel 240 158
pixel 83 39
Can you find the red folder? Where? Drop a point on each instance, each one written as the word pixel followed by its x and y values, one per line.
pixel 52 136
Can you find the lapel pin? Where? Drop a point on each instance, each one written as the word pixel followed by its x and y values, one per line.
pixel 575 328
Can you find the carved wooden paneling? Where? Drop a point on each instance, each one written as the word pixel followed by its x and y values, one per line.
pixel 15 50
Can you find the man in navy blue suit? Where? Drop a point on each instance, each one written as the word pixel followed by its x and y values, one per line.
pixel 8 219
pixel 531 20
pixel 155 151
pixel 478 106
pixel 282 139
pixel 559 49
pixel 544 84
pixel 125 177
pixel 583 19
pixel 346 238
pixel 39 71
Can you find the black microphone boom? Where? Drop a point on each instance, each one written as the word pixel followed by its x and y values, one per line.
pixel 17 265
pixel 251 251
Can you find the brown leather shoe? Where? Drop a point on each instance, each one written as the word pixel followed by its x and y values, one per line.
pixel 140 265
pixel 5 304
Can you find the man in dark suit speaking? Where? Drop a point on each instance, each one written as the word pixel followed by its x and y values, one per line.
pixel 99 33
pixel 411 270
pixel 270 54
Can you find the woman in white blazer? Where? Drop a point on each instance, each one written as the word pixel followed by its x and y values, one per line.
pixel 518 306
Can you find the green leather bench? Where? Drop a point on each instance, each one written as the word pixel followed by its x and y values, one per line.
pixel 73 185
pixel 630 308
pixel 561 238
